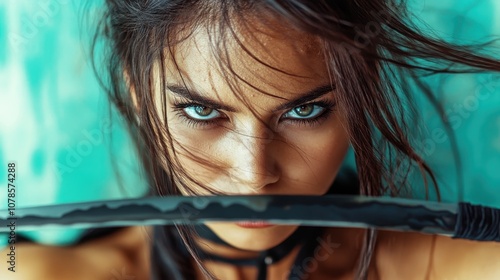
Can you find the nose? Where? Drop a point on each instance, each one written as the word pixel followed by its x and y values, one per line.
pixel 254 164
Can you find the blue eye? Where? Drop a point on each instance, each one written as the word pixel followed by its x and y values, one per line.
pixel 307 111
pixel 199 112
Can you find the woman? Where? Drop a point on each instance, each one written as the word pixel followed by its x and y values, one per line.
pixel 265 97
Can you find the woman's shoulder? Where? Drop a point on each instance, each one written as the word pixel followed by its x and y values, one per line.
pixel 423 256
pixel 123 252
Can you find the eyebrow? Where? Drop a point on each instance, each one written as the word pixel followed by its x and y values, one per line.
pixel 198 98
pixel 206 101
pixel 305 97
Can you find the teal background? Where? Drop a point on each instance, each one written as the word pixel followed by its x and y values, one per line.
pixel 54 123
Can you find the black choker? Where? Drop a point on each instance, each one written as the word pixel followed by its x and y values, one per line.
pixel 303 235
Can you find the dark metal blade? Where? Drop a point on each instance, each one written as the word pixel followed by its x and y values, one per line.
pixel 328 211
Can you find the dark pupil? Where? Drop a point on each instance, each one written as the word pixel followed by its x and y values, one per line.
pixel 304 110
pixel 203 111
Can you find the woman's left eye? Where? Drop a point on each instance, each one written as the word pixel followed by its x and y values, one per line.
pixel 307 111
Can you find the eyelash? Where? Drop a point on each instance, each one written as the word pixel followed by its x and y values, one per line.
pixel 179 111
pixel 179 107
pixel 327 106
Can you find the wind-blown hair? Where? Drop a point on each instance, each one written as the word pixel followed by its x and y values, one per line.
pixel 369 45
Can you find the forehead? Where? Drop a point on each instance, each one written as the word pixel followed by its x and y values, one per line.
pixel 257 57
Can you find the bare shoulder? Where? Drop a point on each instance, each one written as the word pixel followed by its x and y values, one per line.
pixel 127 253
pixel 124 253
pixel 469 258
pixel 422 256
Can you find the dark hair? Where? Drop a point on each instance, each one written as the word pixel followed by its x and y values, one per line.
pixel 364 66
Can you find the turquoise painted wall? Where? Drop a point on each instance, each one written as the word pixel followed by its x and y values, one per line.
pixel 54 123
pixel 54 119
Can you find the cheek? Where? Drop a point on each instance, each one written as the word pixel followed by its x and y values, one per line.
pixel 195 152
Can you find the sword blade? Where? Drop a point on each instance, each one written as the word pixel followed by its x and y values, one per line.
pixel 329 211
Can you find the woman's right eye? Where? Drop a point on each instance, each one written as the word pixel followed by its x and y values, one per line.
pixel 202 113
pixel 196 115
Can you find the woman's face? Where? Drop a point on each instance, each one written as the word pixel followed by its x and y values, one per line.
pixel 291 141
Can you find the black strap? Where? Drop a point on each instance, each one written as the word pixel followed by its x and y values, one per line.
pixel 476 222
pixel 269 256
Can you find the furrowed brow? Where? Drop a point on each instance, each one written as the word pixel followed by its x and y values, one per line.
pixel 305 97
pixel 206 101
pixel 199 98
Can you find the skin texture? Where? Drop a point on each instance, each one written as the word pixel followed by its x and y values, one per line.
pixel 116 256
pixel 259 150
